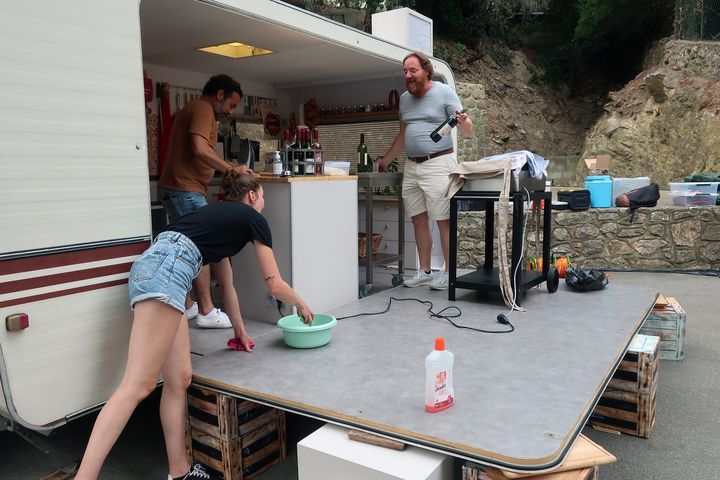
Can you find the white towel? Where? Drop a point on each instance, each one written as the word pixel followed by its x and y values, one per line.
pixel 474 171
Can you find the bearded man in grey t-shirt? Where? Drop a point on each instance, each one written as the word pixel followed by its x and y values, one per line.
pixel 424 106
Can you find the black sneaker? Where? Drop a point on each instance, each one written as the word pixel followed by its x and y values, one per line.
pixel 197 473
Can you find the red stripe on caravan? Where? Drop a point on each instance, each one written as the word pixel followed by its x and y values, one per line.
pixel 69 258
pixel 66 277
pixel 61 293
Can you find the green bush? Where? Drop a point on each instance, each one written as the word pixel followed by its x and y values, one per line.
pixel 600 39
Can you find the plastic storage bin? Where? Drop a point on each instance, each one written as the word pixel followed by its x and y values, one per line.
pixel 600 187
pixel 624 185
pixel 693 194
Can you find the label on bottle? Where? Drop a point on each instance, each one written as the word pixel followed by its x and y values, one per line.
pixel 447 128
pixel 318 162
pixel 277 168
pixel 441 390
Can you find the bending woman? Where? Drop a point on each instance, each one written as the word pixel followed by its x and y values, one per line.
pixel 159 340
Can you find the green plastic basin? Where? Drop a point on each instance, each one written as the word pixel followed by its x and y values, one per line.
pixel 298 335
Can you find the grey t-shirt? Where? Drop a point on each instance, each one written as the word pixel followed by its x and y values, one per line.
pixel 423 115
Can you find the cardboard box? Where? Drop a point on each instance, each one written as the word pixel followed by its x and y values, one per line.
pixel 598 165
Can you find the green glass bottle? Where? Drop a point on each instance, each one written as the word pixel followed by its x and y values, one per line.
pixel 364 164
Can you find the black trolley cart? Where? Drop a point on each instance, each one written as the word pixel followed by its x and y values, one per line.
pixel 487 277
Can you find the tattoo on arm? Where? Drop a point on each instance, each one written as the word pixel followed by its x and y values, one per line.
pixel 270 278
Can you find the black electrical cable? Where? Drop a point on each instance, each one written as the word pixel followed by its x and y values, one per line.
pixel 708 272
pixel 500 318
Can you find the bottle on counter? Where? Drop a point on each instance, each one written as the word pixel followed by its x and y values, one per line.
pixel 445 128
pixel 296 153
pixel 287 157
pixel 309 167
pixel 364 163
pixel 277 164
pixel 317 148
pixel 439 393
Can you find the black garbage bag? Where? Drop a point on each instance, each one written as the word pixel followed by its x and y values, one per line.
pixel 584 281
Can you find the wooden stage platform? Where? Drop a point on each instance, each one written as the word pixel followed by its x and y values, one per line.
pixel 521 398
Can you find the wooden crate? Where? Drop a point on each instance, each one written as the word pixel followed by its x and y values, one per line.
pixel 238 439
pixel 582 462
pixel 628 403
pixel 376 239
pixel 472 471
pixel 667 321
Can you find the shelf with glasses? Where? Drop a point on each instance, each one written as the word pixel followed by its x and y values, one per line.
pixel 357 117
pixel 247 119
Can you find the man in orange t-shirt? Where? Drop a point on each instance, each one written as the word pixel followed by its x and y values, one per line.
pixel 190 165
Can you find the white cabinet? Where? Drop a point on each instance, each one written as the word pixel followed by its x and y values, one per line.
pixel 313 232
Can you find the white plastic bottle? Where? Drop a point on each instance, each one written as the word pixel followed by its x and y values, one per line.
pixel 439 393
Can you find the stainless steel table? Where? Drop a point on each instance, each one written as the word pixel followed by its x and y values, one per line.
pixel 371 181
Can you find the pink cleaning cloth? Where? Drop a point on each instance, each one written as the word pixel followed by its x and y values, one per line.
pixel 236 344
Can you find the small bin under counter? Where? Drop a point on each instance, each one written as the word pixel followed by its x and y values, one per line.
pixel 313 220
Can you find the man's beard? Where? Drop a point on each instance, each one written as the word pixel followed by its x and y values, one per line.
pixel 219 114
pixel 416 86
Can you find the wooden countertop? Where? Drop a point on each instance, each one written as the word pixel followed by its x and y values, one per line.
pixel 314 178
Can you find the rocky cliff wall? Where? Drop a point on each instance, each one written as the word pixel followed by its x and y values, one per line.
pixel 665 123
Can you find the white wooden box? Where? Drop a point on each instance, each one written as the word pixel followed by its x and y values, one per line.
pixel 405 27
pixel 328 454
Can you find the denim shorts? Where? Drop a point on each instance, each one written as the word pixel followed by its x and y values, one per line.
pixel 165 271
pixel 178 204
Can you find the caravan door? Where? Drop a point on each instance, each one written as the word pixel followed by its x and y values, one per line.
pixel 75 210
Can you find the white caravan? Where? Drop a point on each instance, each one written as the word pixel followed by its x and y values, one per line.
pixel 74 164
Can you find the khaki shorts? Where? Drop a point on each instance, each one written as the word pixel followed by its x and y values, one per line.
pixel 425 185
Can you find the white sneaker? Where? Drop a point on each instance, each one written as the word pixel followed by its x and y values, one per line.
pixel 215 319
pixel 440 282
pixel 421 278
pixel 192 312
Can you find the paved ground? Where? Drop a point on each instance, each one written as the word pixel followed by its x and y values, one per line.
pixel 685 443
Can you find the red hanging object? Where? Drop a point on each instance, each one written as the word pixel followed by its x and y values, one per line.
pixel 148 84
pixel 394 100
pixel 166 121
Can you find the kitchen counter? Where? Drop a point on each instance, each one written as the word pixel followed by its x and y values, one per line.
pixel 265 178
pixel 313 221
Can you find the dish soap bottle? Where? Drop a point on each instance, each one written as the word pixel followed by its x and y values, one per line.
pixel 446 127
pixel 439 393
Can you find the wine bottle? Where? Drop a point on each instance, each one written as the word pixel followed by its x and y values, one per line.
pixel 296 153
pixel 364 164
pixel 317 148
pixel 287 157
pixel 445 128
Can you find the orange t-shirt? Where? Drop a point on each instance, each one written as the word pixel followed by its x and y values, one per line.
pixel 182 171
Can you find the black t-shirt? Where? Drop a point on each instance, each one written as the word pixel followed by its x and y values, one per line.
pixel 222 229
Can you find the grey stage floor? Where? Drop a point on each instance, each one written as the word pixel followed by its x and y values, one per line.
pixel 685 443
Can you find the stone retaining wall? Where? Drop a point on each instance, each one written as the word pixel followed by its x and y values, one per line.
pixel 665 238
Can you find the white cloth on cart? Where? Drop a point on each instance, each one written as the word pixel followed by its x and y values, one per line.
pixel 475 171
pixel 536 163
